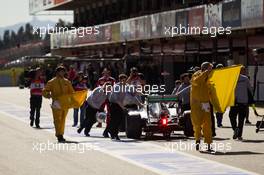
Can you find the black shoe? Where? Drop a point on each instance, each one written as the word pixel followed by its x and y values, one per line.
pixel 105 134
pixel 117 138
pixel 86 133
pixel 37 126
pixel 209 149
pixel 219 125
pixel 74 125
pixel 80 130
pixel 112 136
pixel 235 134
pixel 240 138
pixel 61 139
pixel 197 147
pixel 31 122
pixel 248 122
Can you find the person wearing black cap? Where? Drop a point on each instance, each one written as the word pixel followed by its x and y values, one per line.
pixel 55 88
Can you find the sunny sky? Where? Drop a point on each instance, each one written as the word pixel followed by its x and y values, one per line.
pixel 16 11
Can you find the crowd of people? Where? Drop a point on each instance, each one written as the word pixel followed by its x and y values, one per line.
pixel 192 91
pixel 100 99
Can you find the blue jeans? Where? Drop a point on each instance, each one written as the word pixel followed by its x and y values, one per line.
pixel 76 112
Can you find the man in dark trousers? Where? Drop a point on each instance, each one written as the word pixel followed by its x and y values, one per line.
pixel 106 77
pixel 95 103
pixel 36 86
pixel 122 95
pixel 243 89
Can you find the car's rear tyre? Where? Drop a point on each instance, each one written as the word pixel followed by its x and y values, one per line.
pixel 167 135
pixel 133 127
pixel 149 135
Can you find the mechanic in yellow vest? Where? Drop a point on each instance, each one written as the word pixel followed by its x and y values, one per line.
pixel 200 107
pixel 55 88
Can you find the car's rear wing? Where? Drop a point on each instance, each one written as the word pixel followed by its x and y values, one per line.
pixel 161 98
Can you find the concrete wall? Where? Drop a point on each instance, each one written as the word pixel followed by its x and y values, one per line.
pixel 6 81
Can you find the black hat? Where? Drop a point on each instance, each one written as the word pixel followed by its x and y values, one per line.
pixel 60 68
pixel 134 69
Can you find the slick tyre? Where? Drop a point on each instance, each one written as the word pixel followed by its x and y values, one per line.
pixel 133 127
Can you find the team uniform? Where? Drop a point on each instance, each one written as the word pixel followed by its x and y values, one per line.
pixel 57 87
pixel 200 107
pixel 101 82
pixel 135 81
pixel 104 79
pixel 119 99
pixel 36 87
pixel 95 102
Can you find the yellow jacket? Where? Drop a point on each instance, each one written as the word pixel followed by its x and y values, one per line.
pixel 57 87
pixel 200 87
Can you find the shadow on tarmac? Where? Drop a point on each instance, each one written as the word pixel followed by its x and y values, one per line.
pixel 68 142
pixel 226 127
pixel 45 127
pixel 253 141
pixel 214 138
pixel 220 139
pixel 236 153
pixel 160 138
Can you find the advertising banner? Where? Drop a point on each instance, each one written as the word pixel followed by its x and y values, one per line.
pixel 196 17
pixel 107 33
pixel 116 32
pixel 168 21
pixel 213 15
pixel 60 1
pixel 84 38
pixel 125 30
pixel 251 12
pixel 181 19
pixel 147 26
pixel 101 36
pixel 132 29
pixel 39 5
pixel 231 14
pixel 156 25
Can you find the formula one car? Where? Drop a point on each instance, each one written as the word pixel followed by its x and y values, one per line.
pixel 157 116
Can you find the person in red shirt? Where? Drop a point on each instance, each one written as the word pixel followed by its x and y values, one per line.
pixel 72 74
pixel 36 86
pixel 106 78
pixel 135 78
